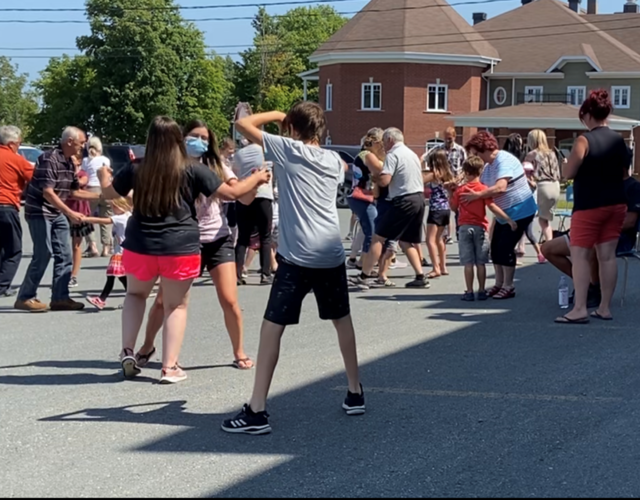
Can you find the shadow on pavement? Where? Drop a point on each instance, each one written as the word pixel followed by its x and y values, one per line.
pixel 497 408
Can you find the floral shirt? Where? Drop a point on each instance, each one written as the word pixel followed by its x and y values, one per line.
pixel 439 199
pixel 546 167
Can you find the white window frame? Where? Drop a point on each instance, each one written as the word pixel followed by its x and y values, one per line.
pixel 495 96
pixel 577 89
pixel 621 88
pixel 328 96
pixel 437 87
pixel 527 93
pixel 371 86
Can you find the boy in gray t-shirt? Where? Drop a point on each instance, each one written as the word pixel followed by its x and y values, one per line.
pixel 310 252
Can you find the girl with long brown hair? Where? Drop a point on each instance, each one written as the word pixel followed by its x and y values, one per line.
pixel 438 174
pixel 163 238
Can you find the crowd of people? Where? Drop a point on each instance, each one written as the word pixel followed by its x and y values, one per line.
pixel 191 206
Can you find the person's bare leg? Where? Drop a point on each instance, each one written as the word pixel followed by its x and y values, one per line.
pixel 442 251
pixel 224 278
pixel 133 309
pixel 274 261
pixel 154 324
pixel 347 341
pixel 606 253
pixel 413 257
pixel 546 229
pixel 384 263
pixel 175 298
pixel 581 278
pixel 251 253
pixel 468 278
pixel 77 256
pixel 595 268
pixel 432 247
pixel 268 355
pixel 482 277
pixel 369 260
pixel 499 270
pixel 509 274
pixel 557 252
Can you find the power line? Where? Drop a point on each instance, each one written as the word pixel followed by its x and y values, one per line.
pixel 377 39
pixel 293 51
pixel 250 18
pixel 175 7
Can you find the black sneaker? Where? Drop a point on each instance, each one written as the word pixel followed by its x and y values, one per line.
pixel 242 282
pixel 11 292
pixel 418 283
pixel 266 280
pixel 424 262
pixel 248 422
pixel 469 297
pixel 354 403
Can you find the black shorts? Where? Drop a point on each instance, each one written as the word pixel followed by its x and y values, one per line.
pixel 291 285
pixel 404 219
pixel 217 252
pixel 440 218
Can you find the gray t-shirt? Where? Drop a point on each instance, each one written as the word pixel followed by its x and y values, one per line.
pixel 248 159
pixel 403 165
pixel 308 180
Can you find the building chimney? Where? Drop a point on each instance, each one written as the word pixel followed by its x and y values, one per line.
pixel 574 5
pixel 592 7
pixel 525 2
pixel 478 17
pixel 631 7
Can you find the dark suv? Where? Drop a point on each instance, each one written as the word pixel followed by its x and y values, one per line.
pixel 123 154
pixel 348 155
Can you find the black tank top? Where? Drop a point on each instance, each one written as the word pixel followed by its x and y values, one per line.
pixel 361 173
pixel 600 179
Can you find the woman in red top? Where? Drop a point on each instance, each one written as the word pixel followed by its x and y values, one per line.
pixel 597 164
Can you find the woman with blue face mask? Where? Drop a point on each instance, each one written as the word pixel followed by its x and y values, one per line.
pixel 218 251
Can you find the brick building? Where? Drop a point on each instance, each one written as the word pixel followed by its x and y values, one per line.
pixel 419 66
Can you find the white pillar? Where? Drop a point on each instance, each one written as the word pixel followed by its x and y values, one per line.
pixel 305 89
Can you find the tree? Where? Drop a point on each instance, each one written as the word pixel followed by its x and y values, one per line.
pixel 140 60
pixel 267 74
pixel 17 104
pixel 65 87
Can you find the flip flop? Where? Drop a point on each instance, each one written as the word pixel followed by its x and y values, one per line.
pixel 597 315
pixel 245 362
pixel 563 320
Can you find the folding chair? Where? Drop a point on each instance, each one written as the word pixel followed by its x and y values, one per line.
pixel 564 209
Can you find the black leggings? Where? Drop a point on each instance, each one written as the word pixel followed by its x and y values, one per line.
pixel 258 215
pixel 504 242
pixel 108 287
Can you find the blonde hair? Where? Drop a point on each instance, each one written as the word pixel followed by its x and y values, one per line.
pixel 123 204
pixel 537 139
pixel 95 147
pixel 374 136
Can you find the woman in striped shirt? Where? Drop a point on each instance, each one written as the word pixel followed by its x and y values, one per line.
pixel 508 187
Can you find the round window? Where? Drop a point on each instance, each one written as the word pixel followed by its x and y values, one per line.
pixel 500 96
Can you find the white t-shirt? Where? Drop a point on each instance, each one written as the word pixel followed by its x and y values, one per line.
pixel 119 229
pixel 248 159
pixel 211 220
pixel 91 167
pixel 404 167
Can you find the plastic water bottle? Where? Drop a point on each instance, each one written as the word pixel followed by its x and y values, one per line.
pixel 563 293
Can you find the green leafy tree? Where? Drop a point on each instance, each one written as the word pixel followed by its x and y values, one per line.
pixel 17 103
pixel 65 87
pixel 267 74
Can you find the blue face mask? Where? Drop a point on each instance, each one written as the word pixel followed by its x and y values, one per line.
pixel 196 147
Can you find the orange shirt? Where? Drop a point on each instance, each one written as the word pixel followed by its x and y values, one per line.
pixel 474 213
pixel 15 174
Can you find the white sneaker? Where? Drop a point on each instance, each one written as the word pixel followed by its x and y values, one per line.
pixel 173 375
pixel 398 265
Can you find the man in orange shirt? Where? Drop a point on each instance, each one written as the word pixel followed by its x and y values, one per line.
pixel 15 173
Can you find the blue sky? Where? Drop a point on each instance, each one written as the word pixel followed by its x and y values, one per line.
pixel 216 33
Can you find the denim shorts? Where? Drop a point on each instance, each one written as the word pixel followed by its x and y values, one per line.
pixel 473 243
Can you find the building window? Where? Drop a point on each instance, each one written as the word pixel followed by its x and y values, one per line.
pixel 372 96
pixel 437 97
pixel 533 94
pixel 576 95
pixel 329 97
pixel 621 97
pixel 500 96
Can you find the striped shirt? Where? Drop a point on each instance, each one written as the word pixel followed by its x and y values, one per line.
pixel 506 166
pixel 55 171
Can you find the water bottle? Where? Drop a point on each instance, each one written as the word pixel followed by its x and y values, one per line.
pixel 563 293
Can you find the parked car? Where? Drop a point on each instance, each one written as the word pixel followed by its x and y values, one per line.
pixel 123 154
pixel 348 155
pixel 30 153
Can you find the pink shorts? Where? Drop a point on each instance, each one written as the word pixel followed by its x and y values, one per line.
pixel 149 267
pixel 597 226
